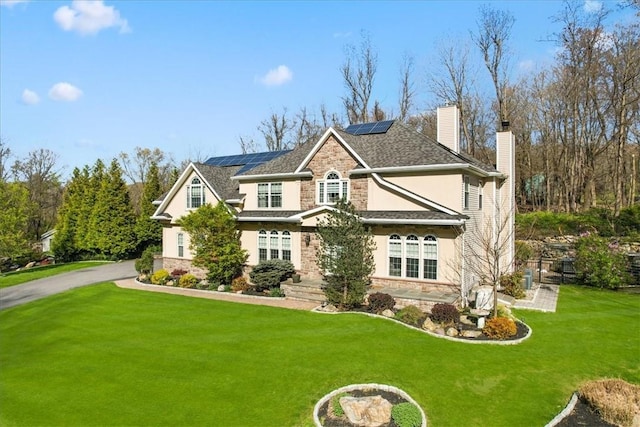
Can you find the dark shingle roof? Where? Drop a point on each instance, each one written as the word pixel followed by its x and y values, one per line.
pixel 267 214
pixel 399 146
pixel 412 215
pixel 219 177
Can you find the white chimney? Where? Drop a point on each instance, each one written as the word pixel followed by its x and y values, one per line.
pixel 449 127
pixel 506 193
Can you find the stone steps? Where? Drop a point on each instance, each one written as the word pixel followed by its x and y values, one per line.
pixel 303 291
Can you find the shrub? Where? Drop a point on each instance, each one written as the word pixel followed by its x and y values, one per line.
pixel 239 284
pixel 600 263
pixel 380 302
pixel 160 277
pixel 511 284
pixel 410 315
pixel 445 313
pixel 178 272
pixel 500 328
pixel 188 281
pixel 406 415
pixel 269 274
pixel 276 293
pixel 144 265
pixel 523 253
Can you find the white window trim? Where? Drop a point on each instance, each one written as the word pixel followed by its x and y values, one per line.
pixel 322 195
pixel 466 192
pixel 421 257
pixel 269 195
pixel 180 244
pixel 190 188
pixel 280 243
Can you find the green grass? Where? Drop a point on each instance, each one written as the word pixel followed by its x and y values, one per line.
pixel 101 355
pixel 23 276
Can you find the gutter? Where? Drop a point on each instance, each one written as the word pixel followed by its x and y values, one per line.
pixel 414 221
pixel 427 168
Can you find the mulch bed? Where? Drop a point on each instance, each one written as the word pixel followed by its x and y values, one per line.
pixel 583 415
pixel 522 332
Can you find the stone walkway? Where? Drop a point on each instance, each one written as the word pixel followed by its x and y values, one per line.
pixel 545 299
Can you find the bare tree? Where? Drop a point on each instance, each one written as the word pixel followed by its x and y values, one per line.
pixel 358 72
pixel 494 30
pixel 5 155
pixel 136 166
pixel 247 145
pixel 407 87
pixel 40 175
pixel 276 130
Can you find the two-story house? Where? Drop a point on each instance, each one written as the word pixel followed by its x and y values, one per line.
pixel 430 207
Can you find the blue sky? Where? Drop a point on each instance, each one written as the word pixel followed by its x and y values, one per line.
pixel 89 80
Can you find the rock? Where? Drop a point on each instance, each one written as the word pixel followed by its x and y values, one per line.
pixel 428 325
pixel 221 288
pixel 471 334
pixel 367 411
pixel 329 308
pixel 388 313
pixel 452 332
pixel 465 320
pixel 439 331
pixel 30 265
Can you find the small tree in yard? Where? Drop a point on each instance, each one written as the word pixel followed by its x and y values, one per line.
pixel 215 242
pixel 600 263
pixel 345 255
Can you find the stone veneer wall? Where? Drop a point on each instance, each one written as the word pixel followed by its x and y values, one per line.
pixel 333 156
pixel 424 286
pixel 309 268
pixel 171 264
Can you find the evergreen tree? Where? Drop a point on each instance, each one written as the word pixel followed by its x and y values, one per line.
pixel 87 235
pixel 345 255
pixel 113 220
pixel 14 208
pixel 149 231
pixel 64 241
pixel 215 242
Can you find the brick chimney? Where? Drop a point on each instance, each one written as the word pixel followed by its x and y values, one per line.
pixel 449 127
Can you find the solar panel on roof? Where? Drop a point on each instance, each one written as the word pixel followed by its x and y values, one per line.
pixel 369 128
pixel 247 161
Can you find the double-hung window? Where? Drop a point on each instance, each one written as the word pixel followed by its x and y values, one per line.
pixel 195 194
pixel 180 245
pixel 332 188
pixel 270 195
pixel 466 192
pixel 274 245
pixel 413 257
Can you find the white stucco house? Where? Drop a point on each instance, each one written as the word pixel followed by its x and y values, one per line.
pixel 429 206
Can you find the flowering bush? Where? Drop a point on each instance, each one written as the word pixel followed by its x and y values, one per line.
pixel 601 263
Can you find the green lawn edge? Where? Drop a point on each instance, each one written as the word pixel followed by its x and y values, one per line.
pixel 102 355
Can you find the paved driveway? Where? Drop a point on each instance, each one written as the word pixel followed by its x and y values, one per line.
pixel 36 289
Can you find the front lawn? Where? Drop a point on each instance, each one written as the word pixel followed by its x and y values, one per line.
pixel 101 355
pixel 23 276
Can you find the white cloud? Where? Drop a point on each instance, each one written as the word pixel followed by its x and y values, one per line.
pixel 29 97
pixel 592 6
pixel 277 76
pixel 89 17
pixel 11 3
pixel 64 92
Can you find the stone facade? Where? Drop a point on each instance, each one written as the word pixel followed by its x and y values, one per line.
pixel 309 265
pixel 332 156
pixel 171 264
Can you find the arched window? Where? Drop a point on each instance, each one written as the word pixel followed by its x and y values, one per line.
pixel 412 256
pixel 262 245
pixel 332 188
pixel 274 245
pixel 195 194
pixel 430 257
pixel 286 245
pixel 395 255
